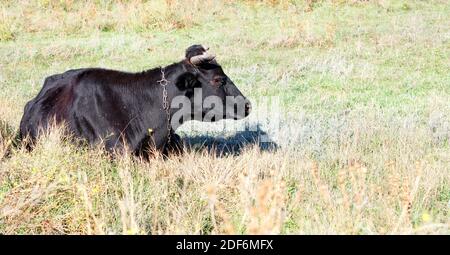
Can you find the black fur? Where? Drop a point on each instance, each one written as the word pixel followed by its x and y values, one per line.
pixel 118 108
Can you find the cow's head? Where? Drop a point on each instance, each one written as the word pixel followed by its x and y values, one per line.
pixel 212 94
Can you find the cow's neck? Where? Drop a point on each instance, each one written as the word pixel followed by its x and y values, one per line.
pixel 172 73
pixel 156 125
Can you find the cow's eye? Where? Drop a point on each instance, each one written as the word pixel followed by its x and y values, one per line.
pixel 220 81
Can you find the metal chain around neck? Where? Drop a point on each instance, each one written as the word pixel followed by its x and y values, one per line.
pixel 166 106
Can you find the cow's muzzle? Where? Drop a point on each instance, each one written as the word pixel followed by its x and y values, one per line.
pixel 248 108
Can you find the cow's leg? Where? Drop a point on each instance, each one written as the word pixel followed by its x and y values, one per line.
pixel 114 145
pixel 175 146
pixel 27 138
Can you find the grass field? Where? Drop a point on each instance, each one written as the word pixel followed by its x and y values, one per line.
pixel 363 146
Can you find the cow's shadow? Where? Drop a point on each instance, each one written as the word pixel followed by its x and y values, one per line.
pixel 230 145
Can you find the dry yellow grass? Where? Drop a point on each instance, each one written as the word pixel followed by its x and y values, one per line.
pixel 58 188
pixel 68 17
pixel 364 149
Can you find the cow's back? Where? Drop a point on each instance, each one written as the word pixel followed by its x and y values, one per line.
pixel 98 105
pixel 51 104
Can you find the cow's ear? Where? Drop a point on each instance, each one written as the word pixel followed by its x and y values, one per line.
pixel 187 81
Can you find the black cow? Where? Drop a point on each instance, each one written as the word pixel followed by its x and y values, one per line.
pixel 129 109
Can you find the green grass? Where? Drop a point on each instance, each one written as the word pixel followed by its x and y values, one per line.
pixel 358 81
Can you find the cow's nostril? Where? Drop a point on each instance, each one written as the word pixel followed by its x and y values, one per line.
pixel 248 108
